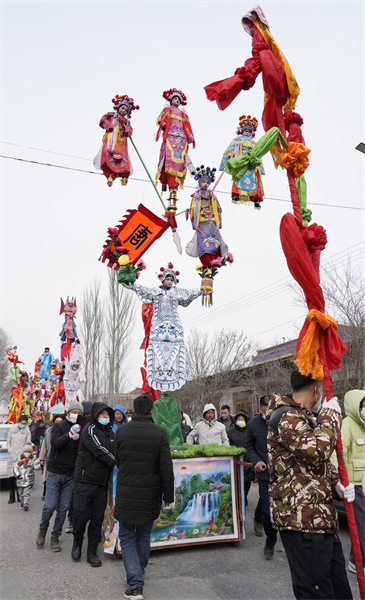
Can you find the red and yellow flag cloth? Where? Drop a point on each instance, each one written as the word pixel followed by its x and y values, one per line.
pixel 318 341
pixel 280 85
pixel 137 231
pixel 147 314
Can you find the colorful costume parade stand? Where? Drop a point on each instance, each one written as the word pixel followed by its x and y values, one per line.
pixel 166 362
pixel 113 158
pixel 206 219
pixel 177 134
pixel 68 332
pixel 249 187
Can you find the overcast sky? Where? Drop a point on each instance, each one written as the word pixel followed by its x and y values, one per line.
pixel 62 62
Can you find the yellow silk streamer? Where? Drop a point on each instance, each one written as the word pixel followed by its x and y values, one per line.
pixel 293 86
pixel 307 357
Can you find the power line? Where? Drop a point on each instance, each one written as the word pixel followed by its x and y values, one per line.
pixel 264 292
pixel 192 187
pixel 271 290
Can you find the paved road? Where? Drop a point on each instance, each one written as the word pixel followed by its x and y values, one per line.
pixel 217 572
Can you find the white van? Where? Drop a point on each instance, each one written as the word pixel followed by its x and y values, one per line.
pixel 4 430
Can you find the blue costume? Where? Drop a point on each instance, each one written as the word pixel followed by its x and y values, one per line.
pixel 45 370
pixel 249 187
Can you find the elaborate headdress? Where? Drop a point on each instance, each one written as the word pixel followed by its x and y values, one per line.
pixel 168 271
pixel 169 94
pixel 204 172
pixel 125 100
pixel 247 122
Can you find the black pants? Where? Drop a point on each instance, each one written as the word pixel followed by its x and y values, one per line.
pixel 317 565
pixel 13 488
pixel 270 532
pixel 89 505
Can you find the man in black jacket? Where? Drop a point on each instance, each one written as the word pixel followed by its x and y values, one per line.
pixel 60 471
pixel 145 477
pixel 226 417
pixel 94 466
pixel 256 446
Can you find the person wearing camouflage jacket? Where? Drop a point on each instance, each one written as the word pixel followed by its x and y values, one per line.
pixel 301 480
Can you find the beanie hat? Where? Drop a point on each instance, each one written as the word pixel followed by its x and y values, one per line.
pixel 298 381
pixel 28 448
pixel 87 406
pixel 74 405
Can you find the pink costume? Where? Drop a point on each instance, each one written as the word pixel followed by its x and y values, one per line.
pixel 177 135
pixel 113 158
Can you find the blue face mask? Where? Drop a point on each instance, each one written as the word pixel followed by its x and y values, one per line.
pixel 104 421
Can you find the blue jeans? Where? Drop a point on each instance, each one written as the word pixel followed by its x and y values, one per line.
pixel 135 545
pixel 58 493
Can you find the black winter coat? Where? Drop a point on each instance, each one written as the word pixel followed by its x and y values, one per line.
pixel 185 430
pixel 62 457
pixel 256 444
pixel 237 437
pixel 95 459
pixel 37 433
pixel 145 475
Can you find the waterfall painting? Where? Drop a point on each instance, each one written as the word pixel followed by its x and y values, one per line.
pixel 205 507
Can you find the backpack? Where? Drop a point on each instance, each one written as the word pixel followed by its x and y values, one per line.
pixel 279 412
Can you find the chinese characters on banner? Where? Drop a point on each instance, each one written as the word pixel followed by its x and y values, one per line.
pixel 137 230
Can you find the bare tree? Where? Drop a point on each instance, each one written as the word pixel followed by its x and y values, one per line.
pixel 270 378
pixel 120 310
pixel 343 289
pixel 5 377
pixel 92 332
pixel 216 364
pixel 345 297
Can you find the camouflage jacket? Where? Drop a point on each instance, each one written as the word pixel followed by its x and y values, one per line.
pixel 301 474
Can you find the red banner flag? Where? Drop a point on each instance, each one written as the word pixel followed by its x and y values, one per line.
pixel 136 231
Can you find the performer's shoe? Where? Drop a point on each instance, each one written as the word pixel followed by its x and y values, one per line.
pixel 257 529
pixel 268 552
pixel 135 594
pixel 235 199
pixel 124 181
pixel 41 538
pixel 92 557
pixel 257 205
pixel 55 544
pixel 76 550
pixel 69 528
pixel 109 181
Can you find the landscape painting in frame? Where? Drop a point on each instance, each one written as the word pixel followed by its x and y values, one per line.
pixel 205 508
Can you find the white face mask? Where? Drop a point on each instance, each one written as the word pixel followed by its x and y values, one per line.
pixel 27 454
pixel 362 414
pixel 72 417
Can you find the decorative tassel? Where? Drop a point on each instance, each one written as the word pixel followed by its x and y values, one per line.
pixel 207 289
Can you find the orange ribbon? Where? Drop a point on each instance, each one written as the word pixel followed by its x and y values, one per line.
pixel 307 357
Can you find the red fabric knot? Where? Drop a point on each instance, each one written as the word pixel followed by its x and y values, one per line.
pixel 315 237
pixel 240 71
pixel 257 48
pixel 292 117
